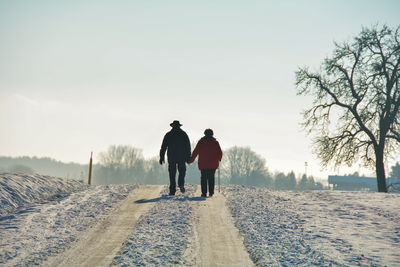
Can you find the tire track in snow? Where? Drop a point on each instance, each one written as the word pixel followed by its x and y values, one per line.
pixel 99 245
pixel 219 241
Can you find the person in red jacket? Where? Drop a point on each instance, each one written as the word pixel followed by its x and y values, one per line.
pixel 210 154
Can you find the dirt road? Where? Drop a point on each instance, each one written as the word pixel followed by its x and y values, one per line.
pixel 219 241
pixel 99 245
pixel 216 241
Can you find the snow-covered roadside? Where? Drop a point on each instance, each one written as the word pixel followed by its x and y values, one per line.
pixel 31 234
pixel 20 190
pixel 162 237
pixel 317 228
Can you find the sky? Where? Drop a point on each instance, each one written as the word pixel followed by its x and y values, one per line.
pixel 79 76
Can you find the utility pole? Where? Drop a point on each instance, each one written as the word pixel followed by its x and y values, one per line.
pixel 90 168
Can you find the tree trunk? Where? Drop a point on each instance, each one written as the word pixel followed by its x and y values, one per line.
pixel 380 170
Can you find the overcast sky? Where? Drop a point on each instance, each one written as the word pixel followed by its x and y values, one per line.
pixel 79 76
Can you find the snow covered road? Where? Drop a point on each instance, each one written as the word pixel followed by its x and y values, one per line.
pixel 139 225
pixel 218 240
pixel 99 245
pixel 124 225
pixel 185 230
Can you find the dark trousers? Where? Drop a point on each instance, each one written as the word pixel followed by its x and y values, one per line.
pixel 207 177
pixel 172 173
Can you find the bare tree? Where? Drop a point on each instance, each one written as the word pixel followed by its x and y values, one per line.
pixel 242 163
pixel 113 158
pixel 121 157
pixel 133 157
pixel 355 113
pixel 127 162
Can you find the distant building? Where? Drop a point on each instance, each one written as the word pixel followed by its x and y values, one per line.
pixel 358 183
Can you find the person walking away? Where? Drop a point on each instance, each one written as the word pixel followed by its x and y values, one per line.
pixel 210 154
pixel 177 143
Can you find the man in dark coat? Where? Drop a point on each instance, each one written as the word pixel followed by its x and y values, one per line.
pixel 177 143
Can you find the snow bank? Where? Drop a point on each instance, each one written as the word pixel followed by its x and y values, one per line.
pixel 19 190
pixel 318 228
pixel 162 236
pixel 31 234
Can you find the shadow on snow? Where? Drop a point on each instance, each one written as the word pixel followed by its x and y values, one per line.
pixel 168 197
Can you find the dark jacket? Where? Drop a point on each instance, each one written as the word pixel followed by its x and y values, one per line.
pixel 177 143
pixel 210 153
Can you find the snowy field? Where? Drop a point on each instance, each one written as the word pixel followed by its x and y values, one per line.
pixel 19 190
pixel 43 216
pixel 317 228
pixel 51 213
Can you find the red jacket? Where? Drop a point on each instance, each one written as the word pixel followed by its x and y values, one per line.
pixel 210 153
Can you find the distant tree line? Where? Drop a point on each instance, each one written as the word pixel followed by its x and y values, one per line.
pixel 395 173
pixel 126 164
pixel 240 165
pixel 45 166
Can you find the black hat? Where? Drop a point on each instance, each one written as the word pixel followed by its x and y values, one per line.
pixel 208 132
pixel 175 124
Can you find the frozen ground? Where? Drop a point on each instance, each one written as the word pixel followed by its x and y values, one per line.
pixel 51 218
pixel 21 190
pixel 163 236
pixel 317 228
pixel 279 228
